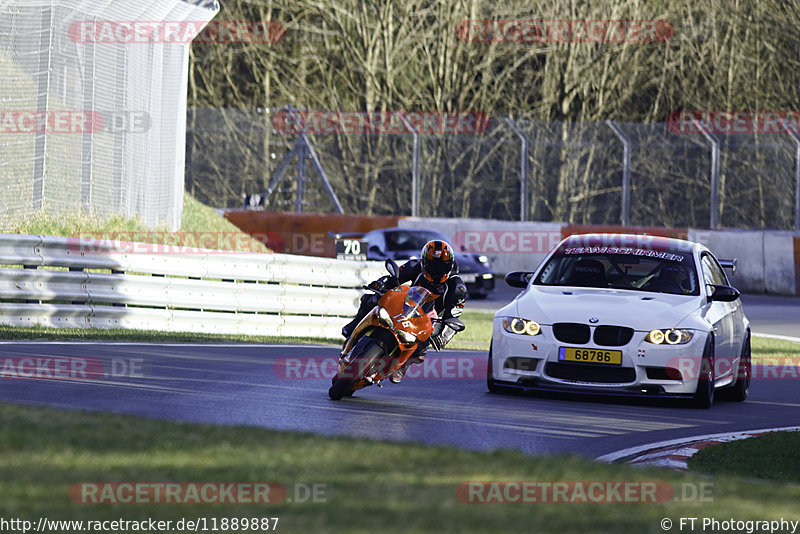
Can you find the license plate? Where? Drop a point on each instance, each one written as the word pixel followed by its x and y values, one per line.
pixel 467 278
pixel 604 357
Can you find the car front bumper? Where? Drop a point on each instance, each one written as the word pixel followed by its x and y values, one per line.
pixel 532 362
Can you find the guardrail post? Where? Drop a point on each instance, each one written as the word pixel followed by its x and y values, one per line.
pixel 523 167
pixel 714 208
pixel 625 209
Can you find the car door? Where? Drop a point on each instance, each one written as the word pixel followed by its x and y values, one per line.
pixel 721 315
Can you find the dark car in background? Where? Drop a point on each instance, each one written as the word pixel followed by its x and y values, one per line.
pixel 404 243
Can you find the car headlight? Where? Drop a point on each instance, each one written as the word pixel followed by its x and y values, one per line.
pixel 483 259
pixel 384 317
pixel 406 337
pixel 515 325
pixel 669 336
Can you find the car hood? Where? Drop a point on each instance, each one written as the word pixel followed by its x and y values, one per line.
pixel 639 310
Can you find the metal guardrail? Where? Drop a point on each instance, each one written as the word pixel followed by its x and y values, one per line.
pixel 64 282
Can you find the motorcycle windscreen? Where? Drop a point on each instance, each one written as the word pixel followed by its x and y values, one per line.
pixel 419 301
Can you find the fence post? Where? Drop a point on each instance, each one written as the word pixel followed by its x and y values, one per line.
pixel 42 105
pixel 714 208
pixel 796 137
pixel 625 210
pixel 523 166
pixel 414 168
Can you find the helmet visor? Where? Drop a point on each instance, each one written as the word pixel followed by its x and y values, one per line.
pixel 438 269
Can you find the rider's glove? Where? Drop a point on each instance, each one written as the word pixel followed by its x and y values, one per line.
pixel 441 336
pixel 383 284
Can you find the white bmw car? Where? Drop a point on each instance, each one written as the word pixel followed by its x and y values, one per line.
pixel 624 314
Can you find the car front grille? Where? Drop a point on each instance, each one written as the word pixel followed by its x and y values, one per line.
pixel 572 333
pixel 612 336
pixel 590 373
pixel 605 336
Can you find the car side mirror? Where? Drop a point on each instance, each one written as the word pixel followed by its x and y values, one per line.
pixel 723 293
pixel 519 278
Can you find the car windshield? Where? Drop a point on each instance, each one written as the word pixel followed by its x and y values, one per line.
pixel 662 272
pixel 418 302
pixel 409 240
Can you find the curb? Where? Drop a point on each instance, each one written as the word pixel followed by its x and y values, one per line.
pixel 675 454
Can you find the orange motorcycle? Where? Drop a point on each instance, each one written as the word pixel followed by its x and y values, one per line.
pixel 387 336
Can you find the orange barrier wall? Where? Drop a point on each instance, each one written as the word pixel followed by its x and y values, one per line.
pixel 304 233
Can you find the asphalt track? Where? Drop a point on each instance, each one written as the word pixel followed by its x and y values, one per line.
pixel 257 385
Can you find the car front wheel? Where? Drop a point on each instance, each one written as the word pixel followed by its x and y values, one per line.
pixel 741 388
pixel 704 395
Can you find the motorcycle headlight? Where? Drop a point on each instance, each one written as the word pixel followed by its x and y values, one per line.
pixel 384 318
pixel 669 336
pixel 516 325
pixel 406 337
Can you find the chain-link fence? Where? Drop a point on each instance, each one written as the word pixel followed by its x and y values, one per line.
pixel 574 172
pixel 92 107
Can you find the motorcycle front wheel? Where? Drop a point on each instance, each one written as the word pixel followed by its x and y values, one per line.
pixel 362 364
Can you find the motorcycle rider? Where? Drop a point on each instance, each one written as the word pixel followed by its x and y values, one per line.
pixel 436 271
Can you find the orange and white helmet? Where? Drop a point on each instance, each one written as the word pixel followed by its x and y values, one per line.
pixel 437 261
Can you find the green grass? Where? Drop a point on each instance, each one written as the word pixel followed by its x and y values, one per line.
pixel 769 457
pixel 66 226
pixel 775 351
pixel 197 217
pixel 43 333
pixel 478 332
pixel 197 220
pixel 369 486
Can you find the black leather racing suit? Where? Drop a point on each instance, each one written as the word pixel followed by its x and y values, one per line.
pixel 450 303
